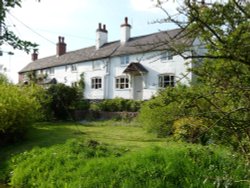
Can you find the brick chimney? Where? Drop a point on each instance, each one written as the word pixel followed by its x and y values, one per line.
pixel 125 31
pixel 101 36
pixel 34 55
pixel 60 46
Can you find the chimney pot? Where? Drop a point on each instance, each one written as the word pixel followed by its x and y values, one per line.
pixel 126 20
pixel 60 46
pixel 125 31
pixel 34 55
pixel 101 36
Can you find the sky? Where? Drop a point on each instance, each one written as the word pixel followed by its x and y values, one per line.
pixel 77 21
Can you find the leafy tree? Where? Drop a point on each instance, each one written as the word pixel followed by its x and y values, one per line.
pixel 221 95
pixel 7 36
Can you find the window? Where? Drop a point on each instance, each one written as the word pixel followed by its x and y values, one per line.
pixel 73 68
pixel 167 80
pixel 51 71
pixel 124 60
pixel 96 83
pixel 66 68
pixel 122 82
pixel 97 65
pixel 166 56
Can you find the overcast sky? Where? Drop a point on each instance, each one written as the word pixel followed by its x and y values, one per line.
pixel 77 21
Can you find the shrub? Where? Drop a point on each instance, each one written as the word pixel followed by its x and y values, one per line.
pixel 63 100
pixel 117 105
pixel 191 130
pixel 159 113
pixel 19 108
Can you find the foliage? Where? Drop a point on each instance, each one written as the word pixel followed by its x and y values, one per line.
pixel 116 105
pixel 42 97
pixel 3 79
pixel 63 100
pixel 82 105
pixel 91 164
pixel 8 36
pixel 159 113
pixel 191 130
pixel 222 90
pixel 81 83
pixel 19 108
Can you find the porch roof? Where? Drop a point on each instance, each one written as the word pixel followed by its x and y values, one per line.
pixel 135 67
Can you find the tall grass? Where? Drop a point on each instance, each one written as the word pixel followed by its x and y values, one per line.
pixel 89 164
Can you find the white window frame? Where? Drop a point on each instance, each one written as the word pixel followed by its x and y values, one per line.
pixel 96 83
pixel 97 65
pixel 122 82
pixel 166 56
pixel 166 80
pixel 124 60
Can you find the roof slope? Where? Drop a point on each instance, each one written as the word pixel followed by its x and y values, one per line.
pixel 146 43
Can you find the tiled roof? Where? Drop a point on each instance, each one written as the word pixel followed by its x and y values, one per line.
pixel 152 42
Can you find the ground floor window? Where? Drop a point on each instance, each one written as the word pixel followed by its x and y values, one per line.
pixel 166 80
pixel 122 82
pixel 96 83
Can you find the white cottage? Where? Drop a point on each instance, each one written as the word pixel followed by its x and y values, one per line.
pixel 131 68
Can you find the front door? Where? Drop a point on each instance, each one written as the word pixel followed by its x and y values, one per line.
pixel 138 87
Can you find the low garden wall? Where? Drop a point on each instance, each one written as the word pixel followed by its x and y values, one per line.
pixel 88 114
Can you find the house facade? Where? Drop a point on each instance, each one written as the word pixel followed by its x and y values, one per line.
pixel 131 68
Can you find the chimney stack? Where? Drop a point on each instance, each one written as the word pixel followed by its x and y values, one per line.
pixel 125 31
pixel 60 46
pixel 34 55
pixel 101 36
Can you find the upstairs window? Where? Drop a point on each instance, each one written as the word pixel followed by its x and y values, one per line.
pixel 97 65
pixel 124 60
pixel 96 83
pixel 73 68
pixel 51 71
pixel 166 56
pixel 166 80
pixel 122 82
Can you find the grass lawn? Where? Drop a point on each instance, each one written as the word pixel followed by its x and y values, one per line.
pixel 111 132
pixel 66 155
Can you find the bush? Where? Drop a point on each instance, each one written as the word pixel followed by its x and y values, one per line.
pixel 191 130
pixel 91 164
pixel 63 100
pixel 117 105
pixel 19 108
pixel 159 113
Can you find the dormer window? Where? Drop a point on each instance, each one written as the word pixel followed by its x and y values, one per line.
pixel 124 60
pixel 166 56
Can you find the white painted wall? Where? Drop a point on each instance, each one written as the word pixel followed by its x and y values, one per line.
pixel 110 68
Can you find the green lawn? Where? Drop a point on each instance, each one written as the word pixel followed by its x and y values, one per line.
pixel 126 155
